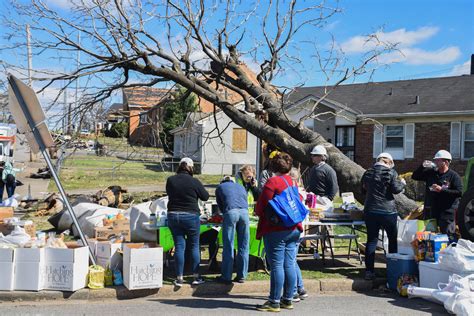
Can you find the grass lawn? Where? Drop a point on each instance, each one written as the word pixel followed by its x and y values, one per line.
pixel 93 172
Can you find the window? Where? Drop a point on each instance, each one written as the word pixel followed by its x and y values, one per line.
pixel 398 140
pixel 394 136
pixel 345 140
pixel 309 123
pixel 468 144
pixel 345 136
pixel 143 118
pixel 239 140
pixel 462 140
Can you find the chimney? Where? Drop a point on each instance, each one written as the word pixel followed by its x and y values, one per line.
pixel 417 99
pixel 472 64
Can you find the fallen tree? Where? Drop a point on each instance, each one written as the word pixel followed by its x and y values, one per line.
pixel 205 47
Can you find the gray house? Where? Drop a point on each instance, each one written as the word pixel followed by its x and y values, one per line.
pixel 221 150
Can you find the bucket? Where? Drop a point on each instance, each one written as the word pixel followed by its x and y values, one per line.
pixel 397 265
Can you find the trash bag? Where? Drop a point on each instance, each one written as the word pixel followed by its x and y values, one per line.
pixel 96 277
pixel 458 257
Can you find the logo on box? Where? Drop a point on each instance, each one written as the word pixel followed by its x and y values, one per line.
pixel 58 275
pixel 148 273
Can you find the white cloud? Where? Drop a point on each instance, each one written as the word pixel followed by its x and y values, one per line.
pixel 417 56
pixel 401 37
pixel 406 42
pixel 461 69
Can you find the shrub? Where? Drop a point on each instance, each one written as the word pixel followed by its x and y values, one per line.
pixel 117 130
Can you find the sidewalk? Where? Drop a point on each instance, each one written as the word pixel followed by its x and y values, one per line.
pixel 207 289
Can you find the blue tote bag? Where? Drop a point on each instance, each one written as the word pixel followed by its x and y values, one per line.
pixel 288 206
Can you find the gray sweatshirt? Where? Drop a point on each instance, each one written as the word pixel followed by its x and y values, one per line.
pixel 323 181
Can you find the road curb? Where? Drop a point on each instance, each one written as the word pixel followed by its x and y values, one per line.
pixel 206 289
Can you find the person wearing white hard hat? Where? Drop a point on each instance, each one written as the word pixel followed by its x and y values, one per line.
pixel 443 191
pixel 322 177
pixel 380 183
pixel 184 191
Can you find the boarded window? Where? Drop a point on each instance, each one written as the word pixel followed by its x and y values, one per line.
pixel 239 140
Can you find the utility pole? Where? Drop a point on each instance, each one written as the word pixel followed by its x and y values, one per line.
pixel 33 156
pixel 76 101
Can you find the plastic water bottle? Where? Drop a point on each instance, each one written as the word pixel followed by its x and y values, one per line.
pixel 153 221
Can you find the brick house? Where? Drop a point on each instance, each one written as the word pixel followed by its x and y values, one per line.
pixel 141 106
pixel 411 119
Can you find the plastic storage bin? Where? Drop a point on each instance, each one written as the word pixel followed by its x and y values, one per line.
pixel 397 265
pixel 432 274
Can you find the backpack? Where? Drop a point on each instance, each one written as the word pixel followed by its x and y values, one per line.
pixel 286 208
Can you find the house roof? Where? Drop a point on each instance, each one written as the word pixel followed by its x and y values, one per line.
pixel 191 118
pixel 207 107
pixel 143 97
pixel 436 95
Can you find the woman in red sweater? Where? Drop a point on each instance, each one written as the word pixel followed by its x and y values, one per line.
pixel 280 241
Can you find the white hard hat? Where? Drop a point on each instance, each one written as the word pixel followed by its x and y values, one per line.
pixel 443 154
pixel 188 161
pixel 319 150
pixel 385 155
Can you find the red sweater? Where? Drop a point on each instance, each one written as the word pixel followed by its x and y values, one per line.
pixel 274 185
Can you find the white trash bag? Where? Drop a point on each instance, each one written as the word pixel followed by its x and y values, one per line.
pixel 458 257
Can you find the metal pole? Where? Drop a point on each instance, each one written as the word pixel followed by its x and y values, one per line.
pixel 28 47
pixel 30 68
pixel 45 153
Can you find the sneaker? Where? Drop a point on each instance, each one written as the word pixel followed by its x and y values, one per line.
pixel 316 256
pixel 239 280
pixel 302 294
pixel 369 275
pixel 286 304
pixel 178 283
pixel 269 307
pixel 296 298
pixel 197 281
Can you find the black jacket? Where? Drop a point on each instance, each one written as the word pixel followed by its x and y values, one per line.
pixel 380 184
pixel 183 192
pixel 442 204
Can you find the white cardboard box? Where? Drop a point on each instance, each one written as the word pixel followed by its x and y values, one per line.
pixel 107 254
pixel 7 270
pixel 92 244
pixel 142 267
pixel 431 274
pixel 66 269
pixel 29 269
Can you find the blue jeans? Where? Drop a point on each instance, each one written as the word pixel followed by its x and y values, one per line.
pixel 299 277
pixel 374 222
pixel 185 228
pixel 280 249
pixel 10 189
pixel 236 220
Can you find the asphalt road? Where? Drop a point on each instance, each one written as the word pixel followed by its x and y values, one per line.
pixel 374 303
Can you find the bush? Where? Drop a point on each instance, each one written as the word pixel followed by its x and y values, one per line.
pixel 118 130
pixel 415 190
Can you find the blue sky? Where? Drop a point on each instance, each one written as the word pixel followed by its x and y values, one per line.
pixel 435 39
pixel 440 33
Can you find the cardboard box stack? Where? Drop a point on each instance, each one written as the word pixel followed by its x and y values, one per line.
pixel 118 228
